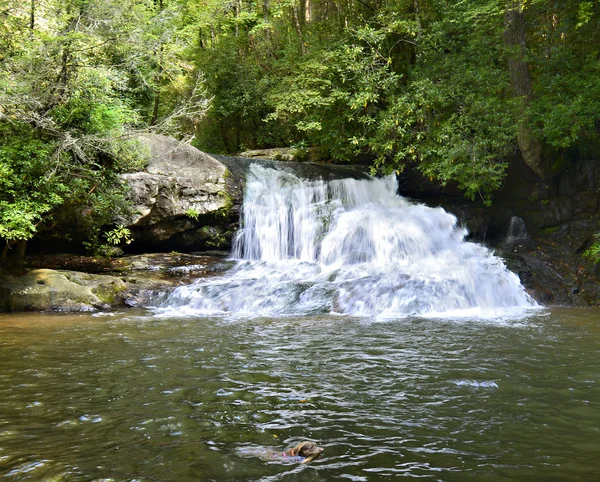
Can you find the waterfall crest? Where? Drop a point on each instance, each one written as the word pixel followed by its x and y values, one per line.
pixel 349 247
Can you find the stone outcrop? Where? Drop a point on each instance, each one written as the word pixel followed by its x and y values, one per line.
pixel 181 200
pixel 50 290
pixel 187 200
pixel 274 154
pixel 82 283
pixel 559 217
pixel 287 154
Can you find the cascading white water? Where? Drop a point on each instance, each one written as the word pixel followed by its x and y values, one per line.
pixel 352 247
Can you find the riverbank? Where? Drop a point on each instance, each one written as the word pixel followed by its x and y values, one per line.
pixel 66 282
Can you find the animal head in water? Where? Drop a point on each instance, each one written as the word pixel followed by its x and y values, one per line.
pixel 306 449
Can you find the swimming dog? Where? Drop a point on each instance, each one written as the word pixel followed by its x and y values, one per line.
pixel 305 450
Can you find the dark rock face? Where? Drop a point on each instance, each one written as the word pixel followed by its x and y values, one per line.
pixel 559 215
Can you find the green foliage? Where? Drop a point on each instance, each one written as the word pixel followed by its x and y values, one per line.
pixel 406 82
pixel 192 214
pixel 593 252
pixel 25 193
pixel 454 122
pixel 80 77
pixel 118 235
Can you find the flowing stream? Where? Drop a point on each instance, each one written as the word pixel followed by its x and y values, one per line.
pixel 353 318
pixel 350 247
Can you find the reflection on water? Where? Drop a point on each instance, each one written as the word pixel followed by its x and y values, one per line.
pixel 135 396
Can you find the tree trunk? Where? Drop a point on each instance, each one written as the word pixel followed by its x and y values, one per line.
pixel 20 250
pixel 238 8
pixel 417 7
pixel 298 27
pixel 32 16
pixel 307 11
pixel 238 134
pixel 16 259
pixel 267 30
pixel 155 107
pixel 225 136
pixel 159 75
pixel 520 83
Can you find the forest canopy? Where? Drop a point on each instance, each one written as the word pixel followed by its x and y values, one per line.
pixel 454 88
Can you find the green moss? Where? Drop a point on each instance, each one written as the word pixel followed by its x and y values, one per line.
pixel 223 212
pixel 108 293
pixel 192 214
pixel 549 230
pixel 217 242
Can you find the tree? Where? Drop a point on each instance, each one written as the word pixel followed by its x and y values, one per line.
pixel 71 90
pixel 520 83
pixel 454 88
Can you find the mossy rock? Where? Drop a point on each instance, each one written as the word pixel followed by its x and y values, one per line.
pixel 51 290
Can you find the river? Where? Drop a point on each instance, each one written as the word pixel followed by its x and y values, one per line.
pixel 353 318
pixel 142 396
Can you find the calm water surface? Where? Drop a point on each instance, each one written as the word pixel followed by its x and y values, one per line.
pixel 147 397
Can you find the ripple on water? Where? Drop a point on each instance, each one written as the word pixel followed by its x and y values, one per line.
pixel 418 398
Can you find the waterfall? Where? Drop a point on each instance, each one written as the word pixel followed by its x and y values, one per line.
pixel 350 247
pixel 516 231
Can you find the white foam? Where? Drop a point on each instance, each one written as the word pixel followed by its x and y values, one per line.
pixel 351 247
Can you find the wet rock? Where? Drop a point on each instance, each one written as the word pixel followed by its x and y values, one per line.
pixel 559 215
pixel 238 166
pixel 49 290
pixel 128 281
pixel 106 288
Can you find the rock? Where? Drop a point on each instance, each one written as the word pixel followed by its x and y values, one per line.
pixel 286 154
pixel 559 215
pixel 238 166
pixel 181 190
pixel 50 290
pixel 187 200
pixel 111 251
pixel 106 288
pixel 133 280
pixel 273 154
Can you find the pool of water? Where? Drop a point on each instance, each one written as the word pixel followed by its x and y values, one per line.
pixel 145 396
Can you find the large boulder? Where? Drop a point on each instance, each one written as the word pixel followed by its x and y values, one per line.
pixel 181 193
pixel 50 290
pixel 57 282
